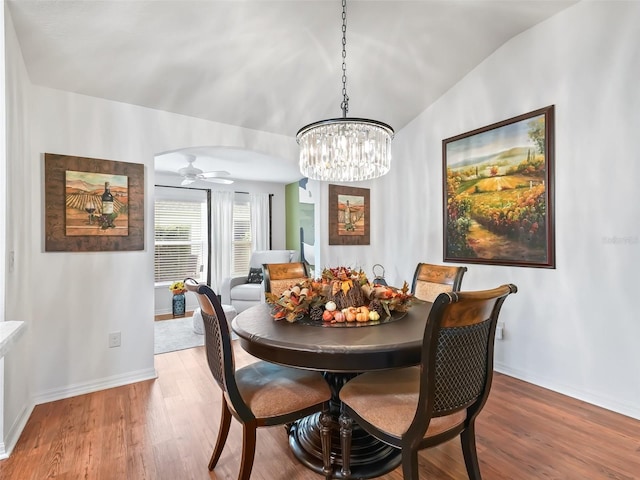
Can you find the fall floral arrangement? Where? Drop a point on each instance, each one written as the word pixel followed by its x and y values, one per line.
pixel 340 295
pixel 177 287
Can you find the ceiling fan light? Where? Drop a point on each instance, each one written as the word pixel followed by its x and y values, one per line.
pixel 192 174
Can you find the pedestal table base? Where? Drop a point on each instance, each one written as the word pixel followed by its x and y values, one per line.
pixel 369 457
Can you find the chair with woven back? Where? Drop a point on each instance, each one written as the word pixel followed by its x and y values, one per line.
pixel 260 394
pixel 278 277
pixel 423 406
pixel 430 280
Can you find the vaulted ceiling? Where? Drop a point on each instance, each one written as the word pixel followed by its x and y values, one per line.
pixel 267 65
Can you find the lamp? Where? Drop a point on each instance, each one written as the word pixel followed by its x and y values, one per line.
pixel 345 149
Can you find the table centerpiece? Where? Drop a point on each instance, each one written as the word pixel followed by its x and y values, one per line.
pixel 340 295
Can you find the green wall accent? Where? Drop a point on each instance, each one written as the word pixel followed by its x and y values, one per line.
pixel 292 216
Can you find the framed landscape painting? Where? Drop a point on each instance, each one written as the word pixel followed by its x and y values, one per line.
pixel 92 204
pixel 348 215
pixel 498 193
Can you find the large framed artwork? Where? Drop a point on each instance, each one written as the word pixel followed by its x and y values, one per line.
pixel 93 204
pixel 348 215
pixel 498 193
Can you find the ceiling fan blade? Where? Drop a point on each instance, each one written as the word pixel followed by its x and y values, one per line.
pixel 215 174
pixel 224 181
pixel 187 181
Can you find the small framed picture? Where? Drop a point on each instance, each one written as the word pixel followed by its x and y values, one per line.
pixel 92 204
pixel 348 215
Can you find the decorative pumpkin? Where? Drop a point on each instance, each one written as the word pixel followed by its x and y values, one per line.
pixel 362 314
pixel 339 317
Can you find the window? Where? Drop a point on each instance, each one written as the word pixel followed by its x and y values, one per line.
pixel 241 235
pixel 180 234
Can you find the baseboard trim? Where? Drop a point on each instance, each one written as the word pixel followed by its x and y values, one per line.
pixel 94 386
pixel 608 403
pixel 13 435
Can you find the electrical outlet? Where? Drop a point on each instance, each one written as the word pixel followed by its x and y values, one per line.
pixel 499 331
pixel 114 339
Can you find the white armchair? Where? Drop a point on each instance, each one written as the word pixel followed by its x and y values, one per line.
pixel 238 292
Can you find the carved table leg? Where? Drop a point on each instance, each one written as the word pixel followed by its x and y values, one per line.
pixel 346 427
pixel 325 436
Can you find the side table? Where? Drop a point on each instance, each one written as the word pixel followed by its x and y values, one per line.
pixel 198 322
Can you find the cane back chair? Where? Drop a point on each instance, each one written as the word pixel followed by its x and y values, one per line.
pixel 422 406
pixel 260 394
pixel 278 277
pixel 430 280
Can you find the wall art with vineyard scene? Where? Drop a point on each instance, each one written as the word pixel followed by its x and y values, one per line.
pixel 348 215
pixel 93 204
pixel 498 193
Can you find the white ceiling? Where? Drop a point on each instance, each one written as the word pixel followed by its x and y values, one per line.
pixel 267 65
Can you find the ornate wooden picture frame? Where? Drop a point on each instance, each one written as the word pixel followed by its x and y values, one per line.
pixel 348 215
pixel 498 193
pixel 74 216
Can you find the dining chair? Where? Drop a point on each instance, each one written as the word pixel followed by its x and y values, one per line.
pixel 260 394
pixel 430 280
pixel 278 277
pixel 425 405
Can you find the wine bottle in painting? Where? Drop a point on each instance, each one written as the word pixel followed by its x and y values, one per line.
pixel 107 200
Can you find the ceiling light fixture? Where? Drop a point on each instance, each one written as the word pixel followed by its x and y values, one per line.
pixel 345 149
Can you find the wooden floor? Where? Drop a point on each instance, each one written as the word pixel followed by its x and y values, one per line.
pixel 164 429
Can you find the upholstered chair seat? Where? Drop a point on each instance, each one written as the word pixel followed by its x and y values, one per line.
pixel 393 410
pixel 271 390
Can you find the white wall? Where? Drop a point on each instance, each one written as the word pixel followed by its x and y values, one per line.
pixel 572 329
pixel 3 198
pixel 18 297
pixel 71 326
pixel 71 301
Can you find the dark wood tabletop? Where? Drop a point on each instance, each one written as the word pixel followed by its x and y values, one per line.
pixel 347 349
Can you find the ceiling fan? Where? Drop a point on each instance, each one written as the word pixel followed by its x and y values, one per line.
pixel 191 174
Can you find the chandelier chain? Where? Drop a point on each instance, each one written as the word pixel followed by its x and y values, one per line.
pixel 345 98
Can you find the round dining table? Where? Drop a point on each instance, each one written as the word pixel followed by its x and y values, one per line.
pixel 340 351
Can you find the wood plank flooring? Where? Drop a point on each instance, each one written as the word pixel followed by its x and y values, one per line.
pixel 165 429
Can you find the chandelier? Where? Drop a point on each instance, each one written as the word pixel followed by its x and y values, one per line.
pixel 345 149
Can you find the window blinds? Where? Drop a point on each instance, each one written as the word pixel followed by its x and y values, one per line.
pixel 180 239
pixel 241 236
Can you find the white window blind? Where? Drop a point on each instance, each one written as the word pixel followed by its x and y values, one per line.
pixel 241 236
pixel 180 240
